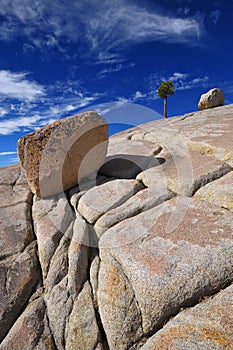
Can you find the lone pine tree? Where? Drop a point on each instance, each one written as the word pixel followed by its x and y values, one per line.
pixel 166 88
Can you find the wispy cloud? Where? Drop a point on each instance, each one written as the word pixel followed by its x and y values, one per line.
pixel 178 76
pixel 215 15
pixel 28 105
pixel 183 11
pixel 3 111
pixel 105 27
pixel 9 126
pixel 138 95
pixel 16 85
pixel 181 81
pixel 7 153
pixel 125 24
pixel 114 69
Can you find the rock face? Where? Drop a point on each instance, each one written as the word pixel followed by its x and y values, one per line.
pixel 138 257
pixel 19 270
pixel 212 98
pixel 206 326
pixel 58 156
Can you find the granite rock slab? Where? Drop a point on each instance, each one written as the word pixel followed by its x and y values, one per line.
pixel 168 261
pixel 207 326
pixel 59 155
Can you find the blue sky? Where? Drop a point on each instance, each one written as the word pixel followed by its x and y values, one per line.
pixel 60 57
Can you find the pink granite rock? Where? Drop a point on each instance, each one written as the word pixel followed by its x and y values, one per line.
pixel 58 156
pixel 156 263
pixel 207 326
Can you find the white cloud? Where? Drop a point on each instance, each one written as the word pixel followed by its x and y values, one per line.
pixel 138 95
pixel 13 125
pixel 183 11
pixel 177 76
pixel 181 81
pixel 105 26
pixel 62 107
pixel 184 81
pixel 137 25
pixel 7 153
pixel 61 99
pixel 3 111
pixel 113 69
pixel 215 15
pixel 15 85
pixel 191 83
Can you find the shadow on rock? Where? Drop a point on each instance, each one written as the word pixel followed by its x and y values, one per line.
pixel 127 166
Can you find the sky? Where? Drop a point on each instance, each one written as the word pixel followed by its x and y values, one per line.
pixel 61 57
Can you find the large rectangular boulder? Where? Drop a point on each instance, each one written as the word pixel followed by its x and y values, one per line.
pixel 58 156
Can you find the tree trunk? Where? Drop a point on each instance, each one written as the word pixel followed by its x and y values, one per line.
pixel 165 108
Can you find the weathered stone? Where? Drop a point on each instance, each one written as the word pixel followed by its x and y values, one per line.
pixel 127 133
pixel 58 156
pixel 170 255
pixel 141 201
pixel 74 199
pixel 94 273
pixel 11 195
pixel 71 256
pixel 28 328
pixel 18 276
pixel 212 98
pixel 126 158
pixel 15 212
pixel 183 175
pixel 22 179
pixel 206 326
pixel 15 229
pixel 78 256
pixel 9 174
pixel 58 267
pixel 67 273
pixel 138 136
pixel 208 132
pixel 46 341
pixel 52 217
pixel 219 192
pixel 118 306
pixel 59 305
pixel 78 191
pixel 100 199
pixel 82 331
pixel 150 137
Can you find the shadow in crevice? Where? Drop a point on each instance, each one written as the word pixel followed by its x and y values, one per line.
pixel 120 166
pixel 127 166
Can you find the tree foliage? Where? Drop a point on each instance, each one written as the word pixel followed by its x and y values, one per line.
pixel 166 88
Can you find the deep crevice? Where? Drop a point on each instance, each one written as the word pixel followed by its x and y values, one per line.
pixel 142 209
pixel 11 315
pixel 198 297
pixel 51 333
pixel 130 345
pixel 93 253
pixel 211 177
pixel 187 304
